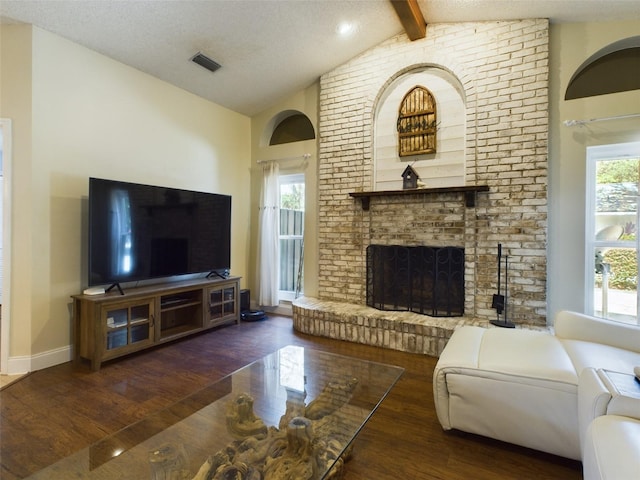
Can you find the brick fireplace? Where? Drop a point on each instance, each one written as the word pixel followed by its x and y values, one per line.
pixel 500 71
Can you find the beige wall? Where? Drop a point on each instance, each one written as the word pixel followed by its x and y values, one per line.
pixel 571 45
pixel 15 103
pixel 92 116
pixel 304 101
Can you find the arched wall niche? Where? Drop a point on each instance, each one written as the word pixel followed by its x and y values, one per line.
pixel 594 76
pixel 445 167
pixel 286 127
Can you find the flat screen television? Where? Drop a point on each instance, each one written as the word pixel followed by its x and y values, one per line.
pixel 140 232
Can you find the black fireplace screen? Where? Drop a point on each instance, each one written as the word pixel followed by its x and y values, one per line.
pixel 426 280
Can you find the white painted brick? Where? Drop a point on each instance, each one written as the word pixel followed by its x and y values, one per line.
pixel 503 67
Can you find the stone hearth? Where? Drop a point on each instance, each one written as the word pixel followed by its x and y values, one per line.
pixel 404 331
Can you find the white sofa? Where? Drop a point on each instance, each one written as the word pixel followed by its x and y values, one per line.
pixel 612 449
pixel 521 386
pixel 609 425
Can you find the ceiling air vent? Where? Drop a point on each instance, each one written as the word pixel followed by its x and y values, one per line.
pixel 205 62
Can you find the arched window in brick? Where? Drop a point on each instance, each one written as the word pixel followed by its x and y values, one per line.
pixel 417 123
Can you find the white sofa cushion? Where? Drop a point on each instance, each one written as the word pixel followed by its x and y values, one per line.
pixel 526 353
pixel 585 354
pixel 578 326
pixel 612 449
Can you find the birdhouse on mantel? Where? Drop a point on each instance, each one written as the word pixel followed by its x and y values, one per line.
pixel 409 178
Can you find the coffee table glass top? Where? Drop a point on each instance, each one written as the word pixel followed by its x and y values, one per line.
pixel 292 414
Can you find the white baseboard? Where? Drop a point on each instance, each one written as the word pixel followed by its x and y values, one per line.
pixel 25 364
pixel 284 308
pixel 18 365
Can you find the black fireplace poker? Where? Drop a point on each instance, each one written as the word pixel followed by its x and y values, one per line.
pixel 499 301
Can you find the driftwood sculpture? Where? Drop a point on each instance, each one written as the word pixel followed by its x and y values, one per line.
pixel 298 459
pixel 309 439
pixel 241 421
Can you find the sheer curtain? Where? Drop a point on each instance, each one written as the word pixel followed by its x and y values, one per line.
pixel 268 244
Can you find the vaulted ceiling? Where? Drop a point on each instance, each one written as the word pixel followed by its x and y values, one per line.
pixel 268 49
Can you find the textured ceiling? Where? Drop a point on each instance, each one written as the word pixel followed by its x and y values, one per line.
pixel 268 49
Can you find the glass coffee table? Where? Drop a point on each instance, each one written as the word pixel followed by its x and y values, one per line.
pixel 290 415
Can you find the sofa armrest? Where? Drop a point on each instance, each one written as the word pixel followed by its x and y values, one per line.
pixel 611 450
pixel 460 354
pixel 578 326
pixel 593 399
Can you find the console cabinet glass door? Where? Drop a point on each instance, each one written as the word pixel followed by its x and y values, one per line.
pixel 128 325
pixel 222 303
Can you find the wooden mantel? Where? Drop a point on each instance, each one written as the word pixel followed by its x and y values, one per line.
pixel 469 193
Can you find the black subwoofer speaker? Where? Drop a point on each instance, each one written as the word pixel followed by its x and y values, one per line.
pixel 245 300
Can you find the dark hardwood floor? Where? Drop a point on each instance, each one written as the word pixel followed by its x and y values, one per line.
pixel 55 412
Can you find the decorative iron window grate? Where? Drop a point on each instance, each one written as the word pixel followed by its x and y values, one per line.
pixel 425 280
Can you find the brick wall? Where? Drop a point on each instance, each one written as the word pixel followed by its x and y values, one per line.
pixel 503 69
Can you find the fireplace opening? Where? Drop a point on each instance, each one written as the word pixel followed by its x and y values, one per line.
pixel 420 279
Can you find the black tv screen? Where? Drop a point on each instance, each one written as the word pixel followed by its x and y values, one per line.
pixel 139 232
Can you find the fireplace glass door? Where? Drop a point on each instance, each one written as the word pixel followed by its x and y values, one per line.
pixel 420 279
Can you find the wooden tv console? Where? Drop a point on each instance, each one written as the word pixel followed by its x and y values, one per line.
pixel 110 325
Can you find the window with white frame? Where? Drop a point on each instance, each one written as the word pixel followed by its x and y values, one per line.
pixel 291 235
pixel 612 242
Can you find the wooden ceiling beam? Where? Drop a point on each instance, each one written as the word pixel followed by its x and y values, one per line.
pixel 411 18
